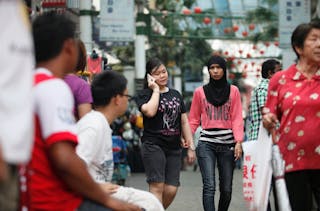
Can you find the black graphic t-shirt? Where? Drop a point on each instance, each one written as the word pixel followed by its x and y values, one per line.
pixel 164 129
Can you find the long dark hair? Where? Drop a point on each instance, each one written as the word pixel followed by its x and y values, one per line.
pixel 82 57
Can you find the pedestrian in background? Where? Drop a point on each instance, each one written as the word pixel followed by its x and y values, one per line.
pixel 259 96
pixel 258 99
pixel 79 87
pixel 165 121
pixel 294 101
pixel 216 107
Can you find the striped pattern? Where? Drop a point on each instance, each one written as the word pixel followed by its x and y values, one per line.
pixel 217 135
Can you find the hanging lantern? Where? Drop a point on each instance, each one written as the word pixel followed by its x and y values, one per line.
pixel 244 74
pixel 252 63
pixel 248 55
pixel 186 12
pixel 267 44
pixel 258 75
pixel 226 53
pixel 240 51
pixel 261 52
pixel 244 33
pixel 254 47
pixel 231 76
pixel 251 26
pixel 239 62
pixel 197 10
pixel 276 43
pixel 235 28
pixel 207 20
pixel 218 21
pixel 227 30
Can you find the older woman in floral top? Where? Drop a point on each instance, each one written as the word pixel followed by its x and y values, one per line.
pixel 294 101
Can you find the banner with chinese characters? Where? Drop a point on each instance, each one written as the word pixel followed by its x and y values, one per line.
pixel 117 23
pixel 257 171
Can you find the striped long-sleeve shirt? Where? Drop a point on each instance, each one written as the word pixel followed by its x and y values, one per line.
pixel 223 121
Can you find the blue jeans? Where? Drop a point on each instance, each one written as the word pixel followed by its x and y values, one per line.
pixel 208 154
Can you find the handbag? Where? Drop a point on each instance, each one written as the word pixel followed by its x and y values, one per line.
pixel 257 170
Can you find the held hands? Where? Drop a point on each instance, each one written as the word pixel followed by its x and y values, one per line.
pixel 238 151
pixel 191 150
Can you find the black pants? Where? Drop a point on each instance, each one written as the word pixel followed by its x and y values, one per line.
pixel 302 186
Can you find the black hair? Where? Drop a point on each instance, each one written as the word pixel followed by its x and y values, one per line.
pixel 268 65
pixel 107 85
pixel 152 64
pixel 300 34
pixel 82 57
pixel 50 31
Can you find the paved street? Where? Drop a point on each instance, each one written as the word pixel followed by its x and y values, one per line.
pixel 189 197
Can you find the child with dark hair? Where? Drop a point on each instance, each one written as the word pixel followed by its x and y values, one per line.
pixel 110 100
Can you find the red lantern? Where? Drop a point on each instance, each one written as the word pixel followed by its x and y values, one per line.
pixel 252 63
pixel 261 52
pixel 186 12
pixel 240 51
pixel 218 21
pixel 197 10
pixel 235 28
pixel 226 53
pixel 244 74
pixel 206 20
pixel 231 76
pixel 252 27
pixel 267 44
pixel 258 75
pixel 276 43
pixel 244 33
pixel 254 47
pixel 227 30
pixel 248 55
pixel 239 62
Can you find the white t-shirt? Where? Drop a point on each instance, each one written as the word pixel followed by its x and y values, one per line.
pixel 16 100
pixel 95 145
pixel 95 148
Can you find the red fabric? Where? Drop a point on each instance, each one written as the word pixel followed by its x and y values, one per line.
pixel 94 65
pixel 296 102
pixel 38 78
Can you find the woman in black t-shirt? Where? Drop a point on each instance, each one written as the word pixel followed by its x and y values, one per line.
pixel 165 122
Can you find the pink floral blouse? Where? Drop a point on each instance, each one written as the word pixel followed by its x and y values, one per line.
pixel 296 102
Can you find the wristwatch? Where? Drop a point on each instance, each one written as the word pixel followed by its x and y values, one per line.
pixel 192 147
